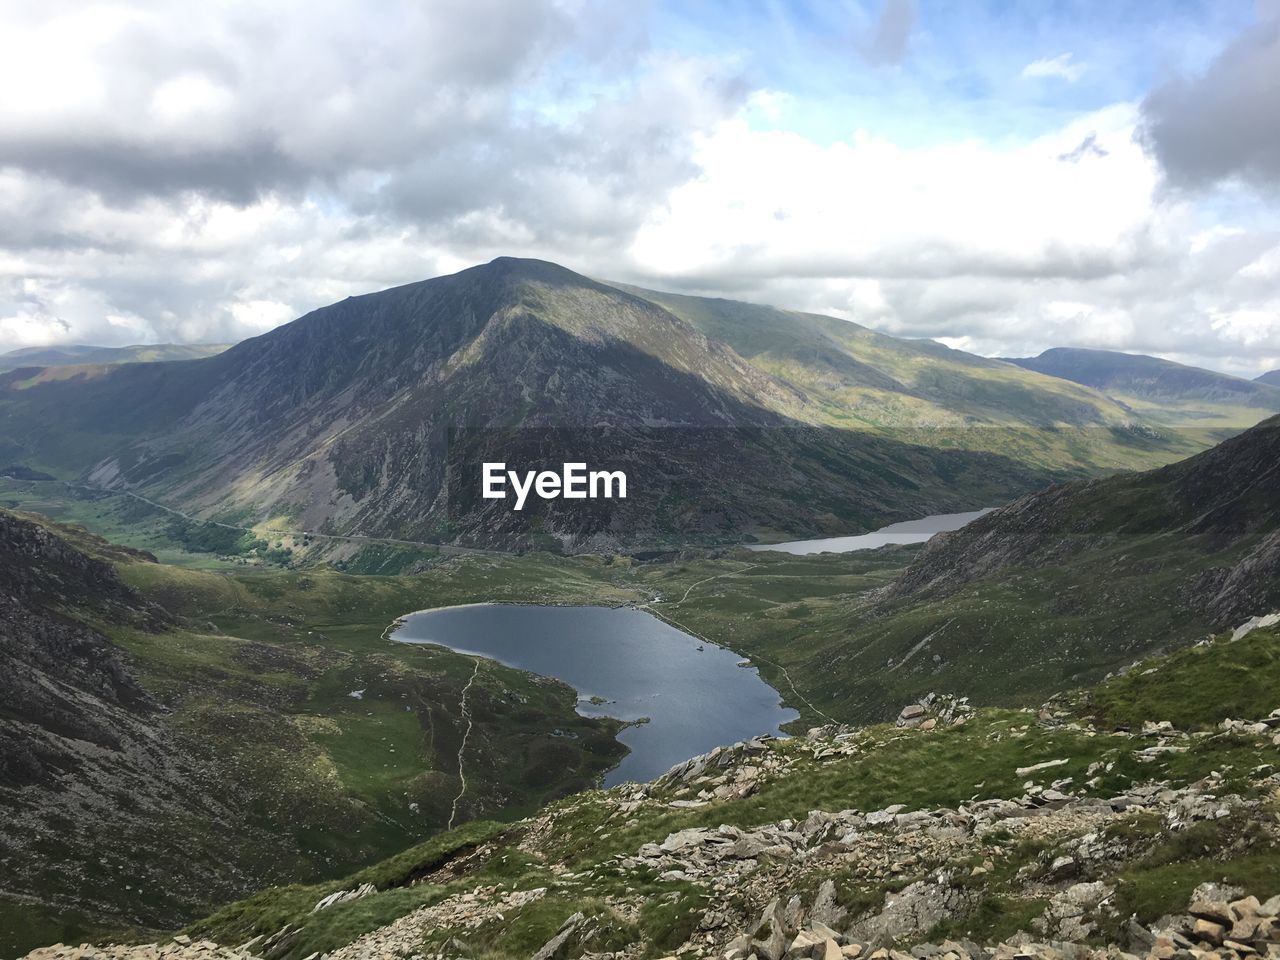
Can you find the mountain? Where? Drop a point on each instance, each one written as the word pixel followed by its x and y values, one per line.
pixel 1159 389
pixel 84 753
pixel 1052 591
pixel 371 416
pixel 1272 378
pixel 857 377
pixel 1063 586
pixel 75 354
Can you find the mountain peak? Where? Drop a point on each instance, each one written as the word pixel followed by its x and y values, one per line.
pixel 1137 375
pixel 528 268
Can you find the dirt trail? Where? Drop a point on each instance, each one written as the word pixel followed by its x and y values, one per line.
pixel 462 776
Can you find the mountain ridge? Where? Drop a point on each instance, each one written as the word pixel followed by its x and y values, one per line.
pixel 342 419
pixel 82 354
pixel 1132 376
pixel 1227 496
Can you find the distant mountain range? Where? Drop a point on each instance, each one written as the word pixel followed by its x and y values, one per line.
pixel 1160 389
pixel 740 419
pixel 1272 378
pixel 75 353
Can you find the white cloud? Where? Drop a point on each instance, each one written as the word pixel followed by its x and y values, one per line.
pixel 775 203
pixel 256 163
pixel 1060 67
pixel 1000 248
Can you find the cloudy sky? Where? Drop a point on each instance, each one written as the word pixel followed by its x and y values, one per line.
pixel 1003 177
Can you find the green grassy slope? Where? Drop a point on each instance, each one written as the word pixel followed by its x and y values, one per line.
pixel 1161 390
pixel 819 627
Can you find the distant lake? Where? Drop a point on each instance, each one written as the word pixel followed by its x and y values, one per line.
pixel 695 694
pixel 908 531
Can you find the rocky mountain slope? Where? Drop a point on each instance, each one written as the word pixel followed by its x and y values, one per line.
pixel 86 762
pixel 860 378
pixel 153 766
pixel 1161 389
pixel 371 415
pixel 1135 819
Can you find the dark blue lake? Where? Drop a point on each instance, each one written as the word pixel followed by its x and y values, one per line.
pixel 695 694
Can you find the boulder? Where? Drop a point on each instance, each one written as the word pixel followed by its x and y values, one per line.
pixel 825 910
pixel 557 946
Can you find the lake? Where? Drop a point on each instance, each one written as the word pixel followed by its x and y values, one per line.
pixel 695 694
pixel 908 531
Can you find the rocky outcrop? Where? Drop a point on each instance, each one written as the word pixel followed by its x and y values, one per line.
pixel 1243 929
pixel 933 710
pixel 181 948
pixel 701 863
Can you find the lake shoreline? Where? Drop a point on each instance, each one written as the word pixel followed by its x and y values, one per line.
pixel 625 663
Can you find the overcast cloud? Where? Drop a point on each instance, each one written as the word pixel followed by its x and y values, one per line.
pixel 1224 123
pixel 206 172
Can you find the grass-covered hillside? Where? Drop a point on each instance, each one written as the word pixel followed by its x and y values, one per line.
pixel 1167 392
pixel 920 389
pixel 1050 592
pixel 261 692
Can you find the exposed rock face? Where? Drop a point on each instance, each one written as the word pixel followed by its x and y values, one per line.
pixel 1229 594
pixel 774 889
pixel 934 709
pixel 912 911
pixel 67 693
pixel 181 949
pixel 82 744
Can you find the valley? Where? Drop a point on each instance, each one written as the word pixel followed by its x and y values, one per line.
pixel 978 832
pixel 570 480
pixel 280 691
pixel 213 566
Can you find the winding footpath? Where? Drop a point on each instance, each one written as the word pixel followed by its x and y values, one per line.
pixel 462 775
pixel 727 573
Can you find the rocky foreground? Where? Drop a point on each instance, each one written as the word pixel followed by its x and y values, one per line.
pixel 1211 928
